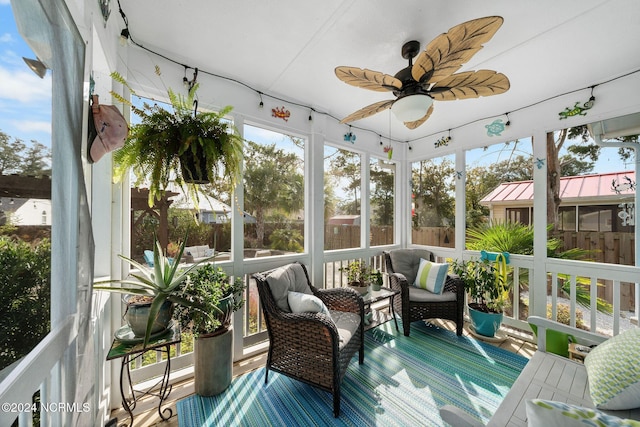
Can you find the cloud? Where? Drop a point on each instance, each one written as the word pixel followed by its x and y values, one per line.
pixel 32 126
pixel 4 2
pixel 23 86
pixel 6 37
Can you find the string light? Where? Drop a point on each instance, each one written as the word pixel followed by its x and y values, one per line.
pixel 126 33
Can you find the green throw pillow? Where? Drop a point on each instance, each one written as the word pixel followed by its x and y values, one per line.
pixel 613 369
pixel 549 413
pixel 431 276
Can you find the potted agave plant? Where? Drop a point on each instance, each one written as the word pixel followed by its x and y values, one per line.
pixel 183 145
pixel 152 292
pixel 488 294
pixel 214 297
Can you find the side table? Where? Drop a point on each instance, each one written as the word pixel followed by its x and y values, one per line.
pixel 379 317
pixel 577 352
pixel 130 350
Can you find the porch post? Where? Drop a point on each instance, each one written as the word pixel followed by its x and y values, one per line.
pixel 538 282
pixel 314 222
pixel 461 206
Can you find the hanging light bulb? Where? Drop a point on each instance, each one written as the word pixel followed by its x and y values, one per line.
pixel 124 37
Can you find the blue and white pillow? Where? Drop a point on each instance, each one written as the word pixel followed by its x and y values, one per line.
pixel 431 276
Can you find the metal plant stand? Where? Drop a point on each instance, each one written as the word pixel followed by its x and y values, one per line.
pixel 129 351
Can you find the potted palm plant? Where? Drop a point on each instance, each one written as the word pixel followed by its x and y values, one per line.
pixel 151 293
pixel 183 145
pixel 214 297
pixel 487 292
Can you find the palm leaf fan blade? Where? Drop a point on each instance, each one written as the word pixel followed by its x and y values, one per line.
pixel 470 84
pixel 420 121
pixel 367 111
pixel 445 54
pixel 368 79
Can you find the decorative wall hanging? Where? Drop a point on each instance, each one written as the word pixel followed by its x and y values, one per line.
pixel 350 136
pixel 495 128
pixel 578 110
pixel 442 142
pixel 627 213
pixel 281 113
pixel 105 9
pixel 539 163
pixel 389 150
pixel 619 187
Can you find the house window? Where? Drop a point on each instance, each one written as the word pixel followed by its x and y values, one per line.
pixel 519 215
pixel 596 218
pixel 567 218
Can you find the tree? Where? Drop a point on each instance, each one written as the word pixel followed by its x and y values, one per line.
pixel 272 181
pixel 382 195
pixel 34 163
pixel 10 158
pixel 583 152
pixel 434 192
pixel 15 160
pixel 345 166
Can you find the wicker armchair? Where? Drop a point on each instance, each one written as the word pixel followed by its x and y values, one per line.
pixel 311 347
pixel 415 303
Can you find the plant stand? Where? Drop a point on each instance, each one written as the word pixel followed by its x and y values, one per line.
pixel 130 350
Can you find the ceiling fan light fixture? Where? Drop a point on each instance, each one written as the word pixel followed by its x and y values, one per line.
pixel 412 107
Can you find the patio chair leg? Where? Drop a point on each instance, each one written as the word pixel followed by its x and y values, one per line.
pixel 336 404
pixel 266 374
pixel 406 326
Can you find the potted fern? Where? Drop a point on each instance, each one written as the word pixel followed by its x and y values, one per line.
pixel 182 145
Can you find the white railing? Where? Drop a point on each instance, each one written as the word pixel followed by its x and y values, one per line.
pixel 39 371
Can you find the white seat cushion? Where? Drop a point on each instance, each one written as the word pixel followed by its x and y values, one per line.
pixel 347 324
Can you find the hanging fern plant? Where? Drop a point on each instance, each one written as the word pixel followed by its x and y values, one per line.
pixel 182 145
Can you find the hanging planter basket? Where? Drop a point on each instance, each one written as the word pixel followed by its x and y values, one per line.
pixel 194 167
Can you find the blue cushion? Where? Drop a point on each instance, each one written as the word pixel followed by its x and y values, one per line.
pixel 148 257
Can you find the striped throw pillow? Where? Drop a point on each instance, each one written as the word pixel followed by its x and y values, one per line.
pixel 431 276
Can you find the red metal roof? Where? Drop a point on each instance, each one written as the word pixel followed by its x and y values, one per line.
pixel 571 187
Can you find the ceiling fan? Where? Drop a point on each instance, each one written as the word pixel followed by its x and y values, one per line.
pixel 432 76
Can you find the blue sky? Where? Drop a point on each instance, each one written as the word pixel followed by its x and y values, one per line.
pixel 25 99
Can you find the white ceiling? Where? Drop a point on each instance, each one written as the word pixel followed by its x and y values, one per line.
pixel 289 49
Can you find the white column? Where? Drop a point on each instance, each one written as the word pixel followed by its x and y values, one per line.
pixel 538 281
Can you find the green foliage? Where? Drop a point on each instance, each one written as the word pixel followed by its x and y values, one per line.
pixel 382 195
pixel 434 192
pixel 564 315
pixel 161 282
pixel 154 146
pixel 357 272
pixel 213 296
pixel 18 158
pixel 287 239
pixel 486 287
pixel 25 297
pixel 272 181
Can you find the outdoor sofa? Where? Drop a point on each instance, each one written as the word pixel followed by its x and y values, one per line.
pixel 554 391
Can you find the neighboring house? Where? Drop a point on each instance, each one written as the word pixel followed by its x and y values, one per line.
pixel 598 202
pixel 17 211
pixel 210 210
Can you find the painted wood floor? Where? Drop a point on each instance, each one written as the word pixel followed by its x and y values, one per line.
pixel 146 414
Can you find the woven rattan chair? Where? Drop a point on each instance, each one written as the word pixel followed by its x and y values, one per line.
pixel 315 348
pixel 417 304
